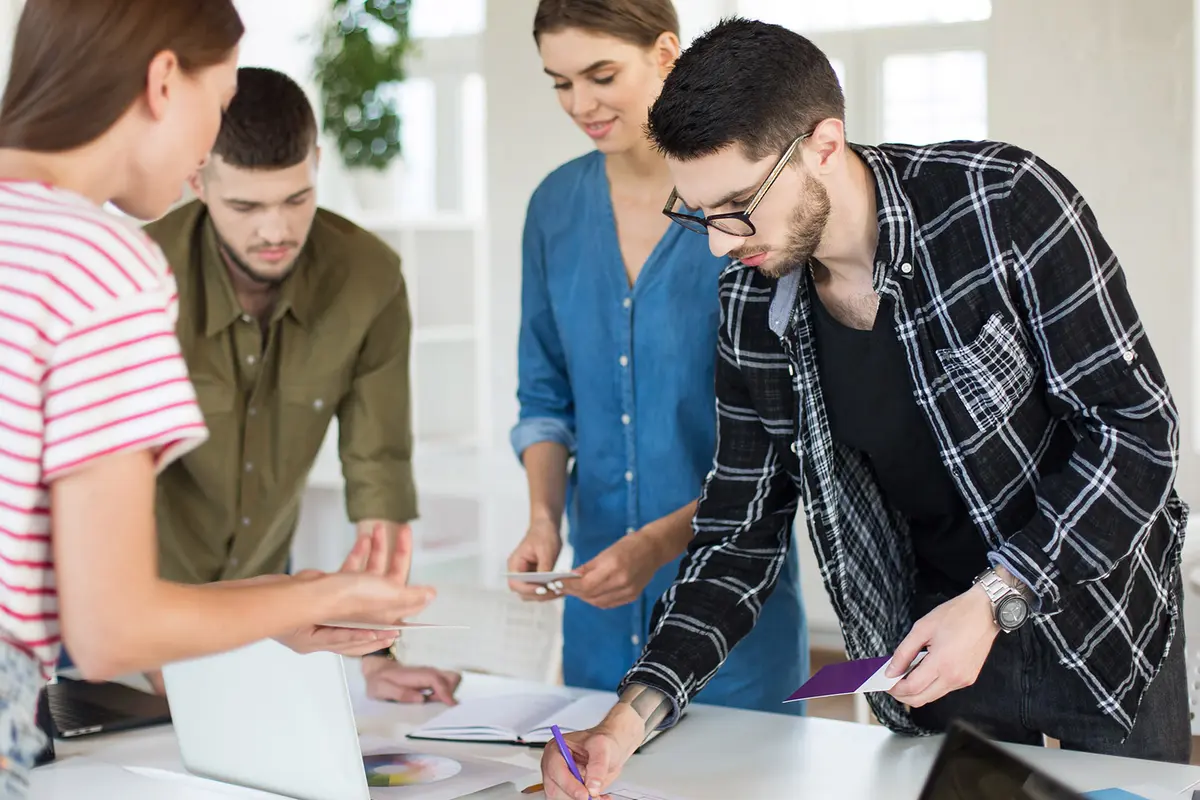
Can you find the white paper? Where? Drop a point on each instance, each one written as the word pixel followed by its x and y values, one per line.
pixel 477 774
pixel 627 791
pixel 880 682
pixel 541 578
pixel 504 717
pixel 404 626
pixel 586 712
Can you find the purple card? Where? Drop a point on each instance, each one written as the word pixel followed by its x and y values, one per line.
pixel 851 677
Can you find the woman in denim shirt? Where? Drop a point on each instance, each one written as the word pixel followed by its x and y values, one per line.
pixel 617 351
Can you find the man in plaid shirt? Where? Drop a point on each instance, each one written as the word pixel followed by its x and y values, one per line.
pixel 934 349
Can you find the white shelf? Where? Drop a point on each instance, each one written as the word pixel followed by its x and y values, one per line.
pixel 443 333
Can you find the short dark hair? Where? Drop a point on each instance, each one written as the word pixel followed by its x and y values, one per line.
pixel 638 22
pixel 269 125
pixel 747 83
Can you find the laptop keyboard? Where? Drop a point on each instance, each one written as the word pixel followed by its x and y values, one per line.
pixel 74 714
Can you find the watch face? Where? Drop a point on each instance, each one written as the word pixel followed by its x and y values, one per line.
pixel 1012 613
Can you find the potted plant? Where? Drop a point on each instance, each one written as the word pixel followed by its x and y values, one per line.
pixel 359 67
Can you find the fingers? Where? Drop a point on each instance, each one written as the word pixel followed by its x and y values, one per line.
pixel 377 560
pixel 344 641
pixel 356 559
pixel 917 638
pixel 560 784
pixel 935 691
pixel 602 768
pixel 385 690
pixel 918 681
pixel 401 560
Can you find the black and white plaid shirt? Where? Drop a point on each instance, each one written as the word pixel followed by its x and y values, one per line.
pixel 1047 403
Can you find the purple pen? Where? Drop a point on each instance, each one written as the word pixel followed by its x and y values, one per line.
pixel 566 754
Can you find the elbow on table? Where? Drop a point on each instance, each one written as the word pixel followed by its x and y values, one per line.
pixel 103 650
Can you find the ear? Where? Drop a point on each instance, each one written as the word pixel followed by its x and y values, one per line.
pixel 828 141
pixel 199 183
pixel 666 52
pixel 160 77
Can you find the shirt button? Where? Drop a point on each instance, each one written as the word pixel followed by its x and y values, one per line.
pixel 624 361
pixel 627 302
pixel 625 419
pixel 796 448
pixel 629 476
pixel 251 360
pixel 635 639
pixel 630 531
pixel 253 411
pixel 791 370
pixel 1129 356
pixel 906 268
pixel 247 318
pixel 233 562
pixel 318 404
pixel 245 522
pixel 249 467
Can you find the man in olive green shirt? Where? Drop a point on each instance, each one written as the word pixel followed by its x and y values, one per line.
pixel 288 315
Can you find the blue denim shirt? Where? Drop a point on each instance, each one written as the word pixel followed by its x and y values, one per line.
pixel 624 379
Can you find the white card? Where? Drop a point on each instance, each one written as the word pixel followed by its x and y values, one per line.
pixel 404 626
pixel 541 578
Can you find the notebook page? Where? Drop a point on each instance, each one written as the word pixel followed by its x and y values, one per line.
pixel 586 712
pixel 501 718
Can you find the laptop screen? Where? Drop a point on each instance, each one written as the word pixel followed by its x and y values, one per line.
pixel 969 767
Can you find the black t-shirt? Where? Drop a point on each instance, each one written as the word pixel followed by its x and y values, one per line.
pixel 869 401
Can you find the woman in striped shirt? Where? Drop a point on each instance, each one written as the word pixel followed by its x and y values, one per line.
pixel 118 101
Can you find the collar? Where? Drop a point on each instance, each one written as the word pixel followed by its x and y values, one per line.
pixel 897 247
pixel 222 308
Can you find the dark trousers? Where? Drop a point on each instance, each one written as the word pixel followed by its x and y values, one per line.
pixel 1023 692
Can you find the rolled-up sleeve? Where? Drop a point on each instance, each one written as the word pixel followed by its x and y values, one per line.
pixel 544 386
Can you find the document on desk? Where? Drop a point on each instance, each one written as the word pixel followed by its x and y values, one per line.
pixel 517 718
pixel 626 791
pixel 403 626
pixel 851 677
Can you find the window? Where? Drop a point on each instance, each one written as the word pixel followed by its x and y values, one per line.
pixel 913 71
pixel 931 97
pixel 858 14
pixel 435 19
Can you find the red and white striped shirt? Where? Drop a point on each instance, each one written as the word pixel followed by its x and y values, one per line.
pixel 89 366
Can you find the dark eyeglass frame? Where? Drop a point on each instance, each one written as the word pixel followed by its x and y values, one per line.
pixel 699 224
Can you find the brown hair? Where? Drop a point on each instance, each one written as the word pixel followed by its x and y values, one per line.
pixel 638 22
pixel 78 65
pixel 270 123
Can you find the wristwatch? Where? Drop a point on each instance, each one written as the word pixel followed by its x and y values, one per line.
pixel 1011 605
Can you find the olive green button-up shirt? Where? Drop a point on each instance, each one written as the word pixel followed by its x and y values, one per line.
pixel 337 342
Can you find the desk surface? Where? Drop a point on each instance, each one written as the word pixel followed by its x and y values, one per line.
pixel 713 753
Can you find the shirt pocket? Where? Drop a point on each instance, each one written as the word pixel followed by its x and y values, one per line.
pixel 991 374
pixel 306 409
pixel 214 397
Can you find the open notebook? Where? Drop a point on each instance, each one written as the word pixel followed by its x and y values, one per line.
pixel 517 718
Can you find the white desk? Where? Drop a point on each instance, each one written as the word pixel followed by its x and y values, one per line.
pixel 714 753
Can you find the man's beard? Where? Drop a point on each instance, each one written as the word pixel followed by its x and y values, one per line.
pixel 265 281
pixel 808 226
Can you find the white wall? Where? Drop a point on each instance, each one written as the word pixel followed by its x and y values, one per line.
pixel 528 136
pixel 1104 91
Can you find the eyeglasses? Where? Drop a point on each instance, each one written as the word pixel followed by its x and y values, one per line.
pixel 736 223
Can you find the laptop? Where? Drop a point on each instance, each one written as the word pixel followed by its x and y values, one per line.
pixel 267 718
pixel 79 708
pixel 970 767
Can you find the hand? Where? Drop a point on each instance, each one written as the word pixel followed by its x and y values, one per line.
pixel 389 680
pixel 155 679
pixel 599 752
pixel 370 587
pixel 618 575
pixel 958 635
pixel 392 531
pixel 537 552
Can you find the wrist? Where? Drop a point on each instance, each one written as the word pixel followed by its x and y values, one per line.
pixel 626 726
pixel 544 520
